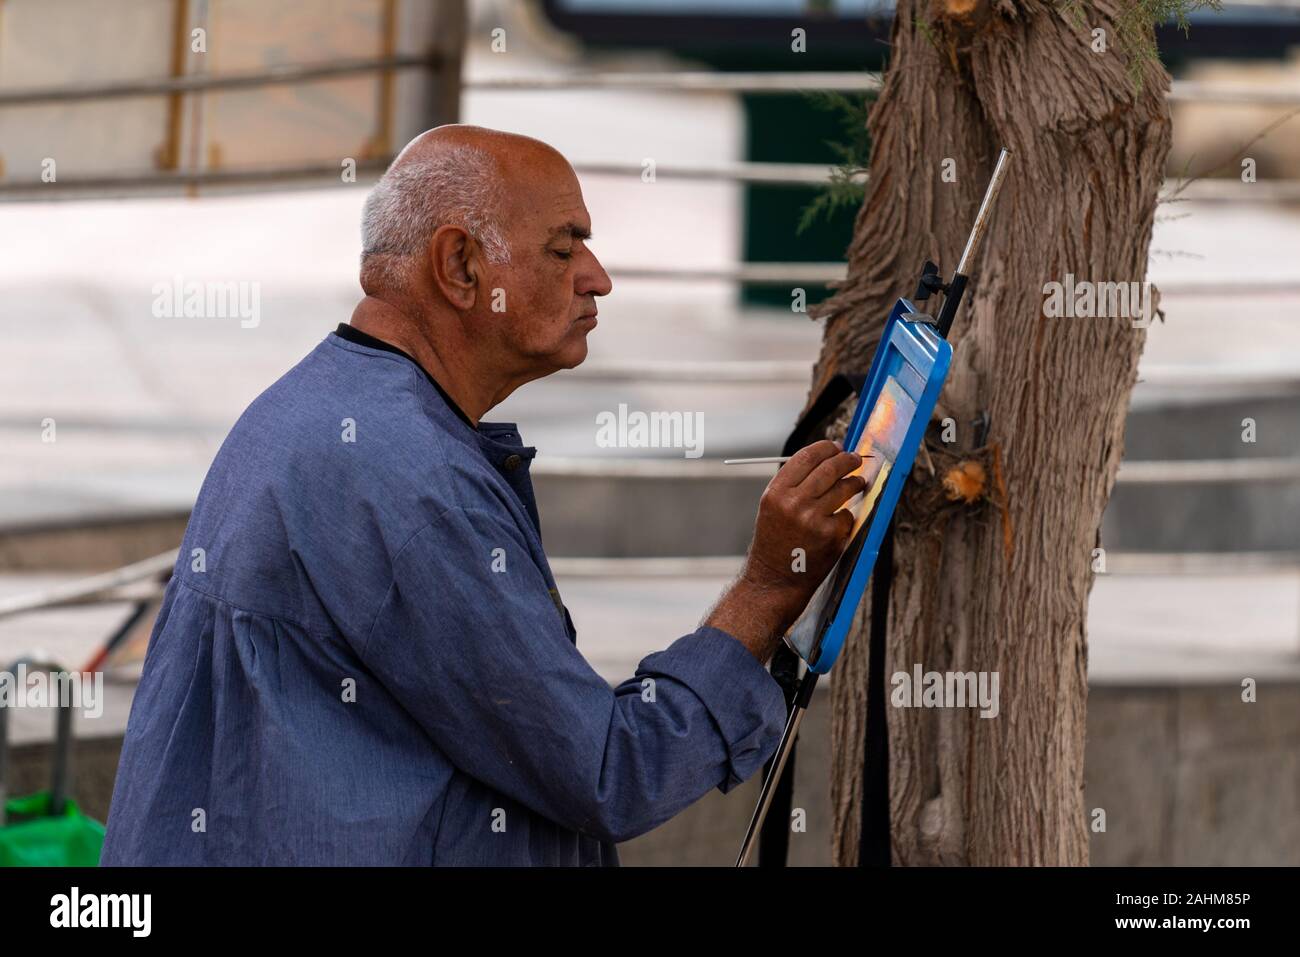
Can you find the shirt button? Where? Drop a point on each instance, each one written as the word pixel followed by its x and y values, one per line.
pixel 512 462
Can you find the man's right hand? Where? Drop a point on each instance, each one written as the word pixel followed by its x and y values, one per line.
pixel 800 533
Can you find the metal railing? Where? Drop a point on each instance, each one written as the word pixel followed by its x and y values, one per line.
pixel 66 188
pixel 1161 472
pixel 121 584
pixel 799 274
pixel 1220 380
pixel 659 81
pixel 788 175
pixel 1181 91
pixel 804 175
pixel 213 82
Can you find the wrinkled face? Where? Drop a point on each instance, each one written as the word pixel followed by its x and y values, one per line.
pixel 542 304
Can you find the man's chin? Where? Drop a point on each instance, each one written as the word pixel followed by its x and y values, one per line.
pixel 574 351
pixel 572 356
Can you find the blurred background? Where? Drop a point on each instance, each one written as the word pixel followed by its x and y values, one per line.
pixel 151 143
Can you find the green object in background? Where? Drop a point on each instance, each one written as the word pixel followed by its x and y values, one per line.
pixel 46 829
pixel 796 129
pixel 33 838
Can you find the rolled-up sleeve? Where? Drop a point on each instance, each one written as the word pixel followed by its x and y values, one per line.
pixel 471 644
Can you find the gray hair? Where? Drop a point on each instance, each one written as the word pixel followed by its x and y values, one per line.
pixel 458 186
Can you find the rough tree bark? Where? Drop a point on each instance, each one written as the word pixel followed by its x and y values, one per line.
pixel 1001 584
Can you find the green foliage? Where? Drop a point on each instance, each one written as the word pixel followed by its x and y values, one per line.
pixel 1134 36
pixel 845 187
pixel 1135 26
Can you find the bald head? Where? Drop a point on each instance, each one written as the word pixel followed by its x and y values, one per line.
pixel 509 149
pixel 452 175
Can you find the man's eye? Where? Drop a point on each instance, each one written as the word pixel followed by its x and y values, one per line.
pixel 563 253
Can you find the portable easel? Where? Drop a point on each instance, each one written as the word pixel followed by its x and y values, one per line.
pixel 913 360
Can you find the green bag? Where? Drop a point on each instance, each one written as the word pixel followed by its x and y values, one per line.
pixel 46 829
pixel 34 838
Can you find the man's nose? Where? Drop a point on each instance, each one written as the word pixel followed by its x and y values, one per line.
pixel 594 281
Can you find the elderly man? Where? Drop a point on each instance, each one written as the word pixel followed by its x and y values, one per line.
pixel 362 657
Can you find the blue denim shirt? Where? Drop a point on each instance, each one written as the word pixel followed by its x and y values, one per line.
pixel 362 657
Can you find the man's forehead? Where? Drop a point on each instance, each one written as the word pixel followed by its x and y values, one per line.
pixel 568 221
pixel 557 212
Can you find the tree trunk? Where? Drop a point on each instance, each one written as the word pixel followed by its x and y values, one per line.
pixel 1001 585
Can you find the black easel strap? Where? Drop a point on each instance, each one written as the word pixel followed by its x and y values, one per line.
pixel 774 838
pixel 874 837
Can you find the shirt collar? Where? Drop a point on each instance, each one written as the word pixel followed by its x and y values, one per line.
pixel 355 335
pixel 500 441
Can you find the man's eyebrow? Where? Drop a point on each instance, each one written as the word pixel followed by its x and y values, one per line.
pixel 572 230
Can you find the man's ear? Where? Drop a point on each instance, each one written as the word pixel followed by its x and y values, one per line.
pixel 455 262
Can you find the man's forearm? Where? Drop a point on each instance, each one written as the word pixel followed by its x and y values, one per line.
pixel 756 613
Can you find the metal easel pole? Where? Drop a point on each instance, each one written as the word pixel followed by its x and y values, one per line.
pixel 801 699
pixel 957 285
